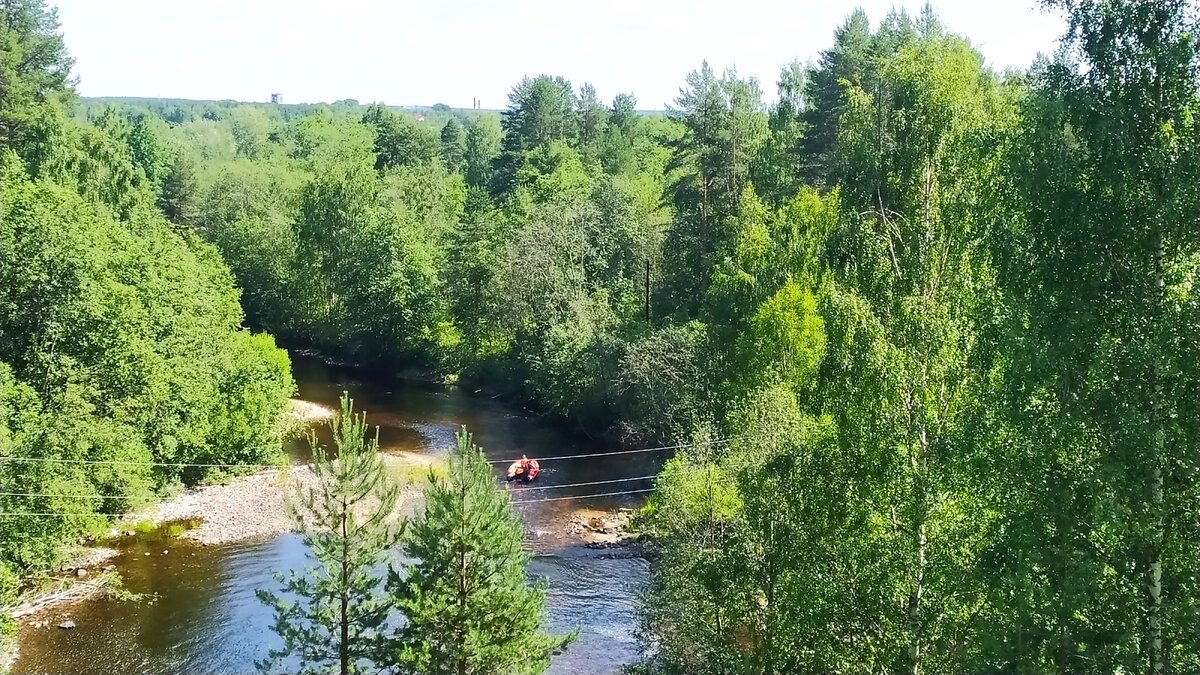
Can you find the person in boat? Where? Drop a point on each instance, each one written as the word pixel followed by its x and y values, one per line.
pixel 524 469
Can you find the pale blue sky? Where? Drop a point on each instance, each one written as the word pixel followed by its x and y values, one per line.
pixel 407 53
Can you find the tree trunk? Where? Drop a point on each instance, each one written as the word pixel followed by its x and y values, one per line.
pixel 919 465
pixel 647 290
pixel 462 575
pixel 344 646
pixel 1154 557
pixel 1063 534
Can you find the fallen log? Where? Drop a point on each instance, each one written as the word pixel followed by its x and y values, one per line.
pixel 68 589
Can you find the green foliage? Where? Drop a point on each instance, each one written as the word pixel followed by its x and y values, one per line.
pixel 131 343
pixel 251 129
pixel 366 272
pixel 333 617
pixel 467 604
pixel 946 322
pixel 1097 406
pixel 540 110
pixel 400 141
pixel 34 69
pixel 454 146
pixel 786 336
pixel 661 382
pixel 179 194
pixel 725 128
pixel 778 171
pixel 120 339
pixel 147 151
pixel 999 405
pixel 482 148
pixel 827 93
pixel 324 138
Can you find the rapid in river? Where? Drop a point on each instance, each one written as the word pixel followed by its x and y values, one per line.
pixel 205 617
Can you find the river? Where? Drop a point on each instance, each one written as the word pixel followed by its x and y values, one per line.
pixel 206 618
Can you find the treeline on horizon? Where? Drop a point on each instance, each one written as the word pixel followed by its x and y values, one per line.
pixel 180 110
pixel 941 325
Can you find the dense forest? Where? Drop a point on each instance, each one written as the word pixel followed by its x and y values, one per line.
pixel 122 351
pixel 933 330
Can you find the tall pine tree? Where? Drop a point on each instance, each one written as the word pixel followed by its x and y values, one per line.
pixel 469 607
pixel 339 612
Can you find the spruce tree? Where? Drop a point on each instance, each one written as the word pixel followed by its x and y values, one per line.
pixel 468 604
pixel 338 615
pixel 454 146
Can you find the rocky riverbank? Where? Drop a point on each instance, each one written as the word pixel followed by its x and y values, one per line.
pixel 246 507
pixel 603 529
pixel 255 506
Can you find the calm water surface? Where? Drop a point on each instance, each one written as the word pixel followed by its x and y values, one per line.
pixel 207 619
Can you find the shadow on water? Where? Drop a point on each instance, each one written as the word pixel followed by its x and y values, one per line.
pixel 206 618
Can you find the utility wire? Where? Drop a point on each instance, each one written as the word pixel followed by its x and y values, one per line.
pixel 594 482
pixel 118 462
pixel 516 502
pixel 63 515
pixel 499 489
pixel 277 466
pixel 57 460
pixel 583 496
pixel 615 452
pixel 55 494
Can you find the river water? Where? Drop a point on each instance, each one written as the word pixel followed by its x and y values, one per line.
pixel 206 618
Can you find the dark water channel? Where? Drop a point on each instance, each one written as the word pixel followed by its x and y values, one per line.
pixel 206 618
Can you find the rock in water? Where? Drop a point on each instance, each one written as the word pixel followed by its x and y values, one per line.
pixel 67 624
pixel 81 572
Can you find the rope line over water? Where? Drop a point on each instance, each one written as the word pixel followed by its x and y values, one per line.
pixel 567 485
pixel 119 462
pixel 615 452
pixel 515 491
pixel 282 466
pixel 602 494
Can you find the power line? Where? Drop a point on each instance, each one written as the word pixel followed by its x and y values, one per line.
pixel 539 487
pixel 201 465
pixel 594 482
pixel 278 466
pixel 602 494
pixel 62 515
pixel 517 502
pixel 119 462
pixel 55 494
pixel 615 452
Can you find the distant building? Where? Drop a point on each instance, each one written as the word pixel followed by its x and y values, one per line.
pixel 276 98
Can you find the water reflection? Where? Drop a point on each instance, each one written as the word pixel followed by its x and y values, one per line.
pixel 208 620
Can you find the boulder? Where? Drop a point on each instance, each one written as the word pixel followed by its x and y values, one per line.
pixel 81 572
pixel 67 624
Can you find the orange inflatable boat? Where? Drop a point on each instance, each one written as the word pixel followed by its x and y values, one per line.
pixel 524 469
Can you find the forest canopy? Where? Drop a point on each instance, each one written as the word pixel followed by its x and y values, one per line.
pixel 123 358
pixel 934 329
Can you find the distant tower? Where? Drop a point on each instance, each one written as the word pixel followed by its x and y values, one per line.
pixel 276 98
